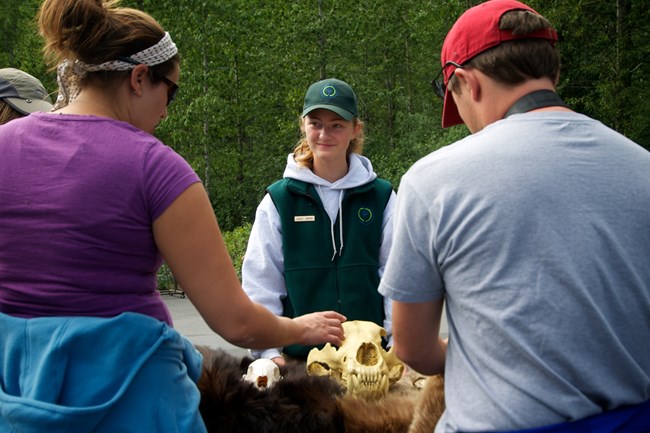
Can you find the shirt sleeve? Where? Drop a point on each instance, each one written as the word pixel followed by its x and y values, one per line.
pixel 384 250
pixel 166 176
pixel 263 266
pixel 411 273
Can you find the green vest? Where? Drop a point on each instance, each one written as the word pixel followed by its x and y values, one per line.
pixel 315 281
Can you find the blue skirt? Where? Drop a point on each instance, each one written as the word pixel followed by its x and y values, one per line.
pixel 129 373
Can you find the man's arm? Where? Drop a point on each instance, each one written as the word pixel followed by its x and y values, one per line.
pixel 415 334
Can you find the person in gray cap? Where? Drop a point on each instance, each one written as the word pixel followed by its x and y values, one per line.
pixel 20 95
pixel 321 234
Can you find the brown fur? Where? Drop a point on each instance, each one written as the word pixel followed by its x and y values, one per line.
pixel 391 414
pixel 309 404
pixel 298 403
pixel 430 405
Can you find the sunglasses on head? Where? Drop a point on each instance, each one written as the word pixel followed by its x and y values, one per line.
pixel 172 88
pixel 438 82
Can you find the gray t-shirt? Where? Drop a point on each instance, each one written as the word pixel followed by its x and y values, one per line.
pixel 536 230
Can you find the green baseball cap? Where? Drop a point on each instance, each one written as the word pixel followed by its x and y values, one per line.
pixel 331 94
pixel 23 92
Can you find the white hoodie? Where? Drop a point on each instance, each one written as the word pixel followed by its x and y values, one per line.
pixel 263 267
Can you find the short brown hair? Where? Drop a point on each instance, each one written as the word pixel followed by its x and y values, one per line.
pixel 513 62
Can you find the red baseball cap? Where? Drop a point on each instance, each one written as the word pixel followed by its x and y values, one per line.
pixel 477 30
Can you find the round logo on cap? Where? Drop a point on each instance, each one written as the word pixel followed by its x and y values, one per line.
pixel 329 91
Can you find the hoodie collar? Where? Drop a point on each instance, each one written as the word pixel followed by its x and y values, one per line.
pixel 360 172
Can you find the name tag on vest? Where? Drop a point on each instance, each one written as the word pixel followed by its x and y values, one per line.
pixel 304 218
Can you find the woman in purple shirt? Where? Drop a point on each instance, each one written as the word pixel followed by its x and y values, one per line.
pixel 90 205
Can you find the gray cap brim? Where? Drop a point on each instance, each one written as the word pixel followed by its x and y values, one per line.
pixel 338 110
pixel 26 106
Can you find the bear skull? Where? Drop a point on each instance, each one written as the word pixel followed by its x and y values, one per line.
pixel 360 365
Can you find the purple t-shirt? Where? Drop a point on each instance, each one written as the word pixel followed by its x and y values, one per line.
pixel 78 196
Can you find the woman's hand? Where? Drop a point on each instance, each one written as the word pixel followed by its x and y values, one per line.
pixel 322 327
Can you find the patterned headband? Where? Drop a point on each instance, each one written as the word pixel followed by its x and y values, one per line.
pixel 69 73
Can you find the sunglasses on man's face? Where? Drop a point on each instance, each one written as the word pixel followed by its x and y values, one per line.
pixel 438 82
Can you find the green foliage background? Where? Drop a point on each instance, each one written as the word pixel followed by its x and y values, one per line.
pixel 247 63
pixel 236 240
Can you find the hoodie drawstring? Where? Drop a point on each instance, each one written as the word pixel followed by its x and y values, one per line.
pixel 333 242
pixel 340 214
pixel 340 218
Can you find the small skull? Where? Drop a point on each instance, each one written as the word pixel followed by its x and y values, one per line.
pixel 361 365
pixel 263 374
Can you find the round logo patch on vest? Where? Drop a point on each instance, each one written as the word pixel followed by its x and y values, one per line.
pixel 365 215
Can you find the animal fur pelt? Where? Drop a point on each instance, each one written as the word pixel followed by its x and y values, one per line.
pixel 304 403
pixel 429 406
pixel 298 403
pixel 413 405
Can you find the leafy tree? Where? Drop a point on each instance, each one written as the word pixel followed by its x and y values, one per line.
pixel 20 44
pixel 605 46
pixel 247 63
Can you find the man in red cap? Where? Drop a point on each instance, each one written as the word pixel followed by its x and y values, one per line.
pixel 534 232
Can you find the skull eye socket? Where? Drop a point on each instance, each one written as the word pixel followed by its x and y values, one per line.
pixel 319 368
pixel 367 354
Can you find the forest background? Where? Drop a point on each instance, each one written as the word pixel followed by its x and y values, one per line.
pixel 247 64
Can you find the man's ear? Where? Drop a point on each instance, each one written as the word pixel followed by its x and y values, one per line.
pixel 137 75
pixel 469 81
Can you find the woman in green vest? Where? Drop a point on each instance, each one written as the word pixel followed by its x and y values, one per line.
pixel 322 233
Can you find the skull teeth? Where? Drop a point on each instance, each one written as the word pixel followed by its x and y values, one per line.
pixel 370 385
